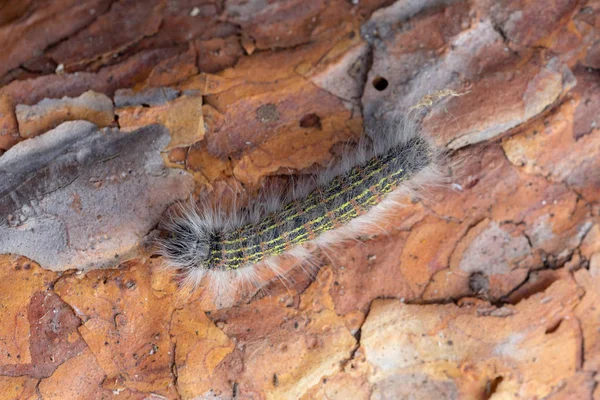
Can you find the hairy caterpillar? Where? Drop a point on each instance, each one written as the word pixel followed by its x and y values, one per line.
pixel 230 249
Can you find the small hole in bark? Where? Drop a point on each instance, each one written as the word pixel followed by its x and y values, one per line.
pixel 275 380
pixel 380 83
pixel 492 386
pixel 553 328
pixel 310 121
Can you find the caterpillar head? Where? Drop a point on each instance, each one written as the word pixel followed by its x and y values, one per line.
pixel 187 243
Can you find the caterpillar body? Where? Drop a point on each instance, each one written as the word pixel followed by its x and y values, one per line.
pixel 230 249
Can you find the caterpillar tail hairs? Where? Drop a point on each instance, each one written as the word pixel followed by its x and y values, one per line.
pixel 227 251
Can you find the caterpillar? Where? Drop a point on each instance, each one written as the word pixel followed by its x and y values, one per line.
pixel 230 248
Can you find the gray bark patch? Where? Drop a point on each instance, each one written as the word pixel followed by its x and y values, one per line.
pixel 81 197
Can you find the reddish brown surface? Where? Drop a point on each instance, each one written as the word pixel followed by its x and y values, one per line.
pixel 488 288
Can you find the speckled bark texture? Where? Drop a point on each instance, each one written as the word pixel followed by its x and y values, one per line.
pixel 486 288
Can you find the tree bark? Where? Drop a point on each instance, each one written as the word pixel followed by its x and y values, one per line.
pixel 486 287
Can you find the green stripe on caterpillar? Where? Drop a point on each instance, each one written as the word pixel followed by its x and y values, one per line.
pixel 229 248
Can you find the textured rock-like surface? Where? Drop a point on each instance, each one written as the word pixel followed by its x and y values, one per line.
pixel 44 332
pixel 128 333
pixel 123 25
pixel 297 342
pixel 20 387
pixel 48 113
pixel 456 352
pixel 83 374
pixel 9 129
pixel 200 348
pixel 573 126
pixel 27 28
pixel 64 206
pixel 462 53
pixel 486 288
pixel 181 116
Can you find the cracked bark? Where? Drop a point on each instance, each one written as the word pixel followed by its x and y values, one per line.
pixel 464 323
